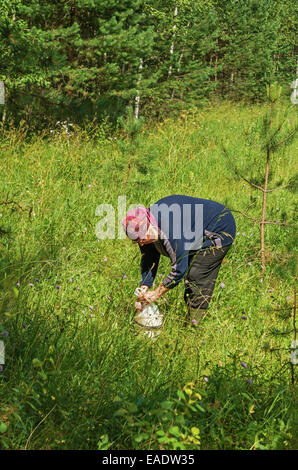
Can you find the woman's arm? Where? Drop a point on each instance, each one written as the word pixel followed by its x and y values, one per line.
pixel 149 264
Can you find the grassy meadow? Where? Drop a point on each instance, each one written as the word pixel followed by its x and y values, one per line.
pixel 77 376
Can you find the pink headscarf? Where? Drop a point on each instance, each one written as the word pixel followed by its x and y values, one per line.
pixel 137 221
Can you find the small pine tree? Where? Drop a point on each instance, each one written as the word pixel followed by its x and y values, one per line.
pixel 265 138
pixel 131 127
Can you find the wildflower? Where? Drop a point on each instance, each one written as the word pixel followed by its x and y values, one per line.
pixel 91 308
pixel 244 365
pixel 71 280
pixel 261 280
pixel 4 333
pixel 206 379
pixel 249 263
pixel 194 321
pixel 105 259
pixel 36 280
pixel 84 312
pixel 31 285
pixel 24 326
pixel 222 285
pixel 58 287
pixel 109 298
pixel 90 315
pixel 249 381
pixel 124 277
pixel 244 318
pixel 288 298
pixel 18 284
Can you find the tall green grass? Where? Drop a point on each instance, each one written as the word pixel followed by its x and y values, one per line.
pixel 76 375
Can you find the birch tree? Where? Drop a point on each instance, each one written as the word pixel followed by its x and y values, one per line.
pixel 173 42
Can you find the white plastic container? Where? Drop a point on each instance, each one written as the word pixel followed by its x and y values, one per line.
pixel 149 319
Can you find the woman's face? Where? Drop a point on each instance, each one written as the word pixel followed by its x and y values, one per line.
pixel 150 237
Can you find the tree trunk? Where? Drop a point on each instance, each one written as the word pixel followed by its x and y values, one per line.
pixel 137 98
pixel 262 223
pixel 2 101
pixel 173 42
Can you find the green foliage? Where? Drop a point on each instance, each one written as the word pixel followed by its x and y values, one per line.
pixel 131 126
pixel 80 60
pixel 170 426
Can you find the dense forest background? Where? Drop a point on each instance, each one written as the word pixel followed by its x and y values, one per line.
pixel 91 59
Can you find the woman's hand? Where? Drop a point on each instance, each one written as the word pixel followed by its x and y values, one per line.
pixel 140 304
pixel 151 296
pixel 146 297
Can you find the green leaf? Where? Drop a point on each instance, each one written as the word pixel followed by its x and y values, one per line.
pixel 181 395
pixel 132 408
pixel 178 445
pixel 36 363
pixel 199 407
pixel 179 419
pixel 3 427
pixel 166 405
pixel 141 437
pixel 195 431
pixel 163 440
pixel 120 412
pixel 175 431
pixel 16 292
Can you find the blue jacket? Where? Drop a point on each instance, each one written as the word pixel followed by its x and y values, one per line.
pixel 186 224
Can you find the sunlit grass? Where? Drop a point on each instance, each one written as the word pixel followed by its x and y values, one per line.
pixel 72 354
